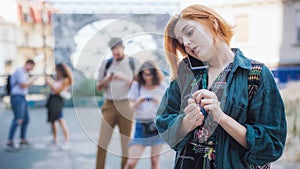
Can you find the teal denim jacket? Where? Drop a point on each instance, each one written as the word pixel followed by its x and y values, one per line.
pixel 263 117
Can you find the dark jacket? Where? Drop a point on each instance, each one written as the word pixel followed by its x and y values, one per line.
pixel 264 117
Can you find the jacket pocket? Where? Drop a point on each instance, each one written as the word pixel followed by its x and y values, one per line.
pixel 238 112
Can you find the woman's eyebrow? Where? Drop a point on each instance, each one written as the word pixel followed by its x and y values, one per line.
pixel 184 28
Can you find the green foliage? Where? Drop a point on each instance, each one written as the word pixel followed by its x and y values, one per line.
pixel 85 87
pixel 292 107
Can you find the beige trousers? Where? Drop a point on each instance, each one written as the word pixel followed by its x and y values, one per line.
pixel 114 113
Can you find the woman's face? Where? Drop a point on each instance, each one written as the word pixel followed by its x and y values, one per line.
pixel 147 76
pixel 196 39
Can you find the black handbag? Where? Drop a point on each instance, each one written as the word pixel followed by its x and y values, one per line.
pixel 150 128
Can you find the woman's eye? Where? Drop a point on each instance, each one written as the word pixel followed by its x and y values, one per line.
pixel 190 32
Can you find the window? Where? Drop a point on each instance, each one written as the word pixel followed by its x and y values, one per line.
pixel 26 39
pixel 298 26
pixel 242 28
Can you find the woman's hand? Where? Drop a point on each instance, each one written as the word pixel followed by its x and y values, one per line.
pixel 209 101
pixel 137 102
pixel 48 80
pixel 154 100
pixel 193 115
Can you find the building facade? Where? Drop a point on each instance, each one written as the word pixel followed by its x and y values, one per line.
pixel 265 30
pixel 29 38
pixel 7 44
pixel 34 35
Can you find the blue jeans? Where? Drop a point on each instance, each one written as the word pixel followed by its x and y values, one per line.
pixel 20 110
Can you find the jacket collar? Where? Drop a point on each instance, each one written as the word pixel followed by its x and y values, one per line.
pixel 240 60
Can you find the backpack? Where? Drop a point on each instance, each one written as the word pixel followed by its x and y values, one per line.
pixel 110 60
pixel 254 78
pixel 253 82
pixel 8 85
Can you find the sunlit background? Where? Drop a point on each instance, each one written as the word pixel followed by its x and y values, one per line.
pixel 76 32
pixel 265 30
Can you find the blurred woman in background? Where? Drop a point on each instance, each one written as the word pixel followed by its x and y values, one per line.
pixel 59 86
pixel 145 95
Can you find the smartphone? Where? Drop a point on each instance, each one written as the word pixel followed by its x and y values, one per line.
pixel 203 111
pixel 196 64
pixel 148 98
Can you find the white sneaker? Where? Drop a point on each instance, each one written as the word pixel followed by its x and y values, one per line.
pixel 65 146
pixel 51 143
pixel 11 148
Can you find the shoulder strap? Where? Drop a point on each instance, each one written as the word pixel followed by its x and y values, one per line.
pixel 108 63
pixel 139 90
pixel 253 82
pixel 110 60
pixel 8 85
pixel 132 65
pixel 254 78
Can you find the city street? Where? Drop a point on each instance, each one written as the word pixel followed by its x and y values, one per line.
pixel 84 126
pixel 91 50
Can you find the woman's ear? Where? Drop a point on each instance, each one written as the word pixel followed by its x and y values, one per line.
pixel 215 22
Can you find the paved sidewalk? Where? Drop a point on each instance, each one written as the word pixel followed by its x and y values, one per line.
pixel 84 125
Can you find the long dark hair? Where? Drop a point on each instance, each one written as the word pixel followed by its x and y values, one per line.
pixel 65 71
pixel 156 73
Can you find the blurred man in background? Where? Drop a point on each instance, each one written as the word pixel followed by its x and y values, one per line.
pixel 19 84
pixel 115 76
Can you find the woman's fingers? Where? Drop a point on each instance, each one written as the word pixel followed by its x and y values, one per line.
pixel 203 94
pixel 190 101
pixel 205 102
pixel 191 105
pixel 209 101
pixel 193 113
pixel 199 122
pixel 191 108
pixel 199 119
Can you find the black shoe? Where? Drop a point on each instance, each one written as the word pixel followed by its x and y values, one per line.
pixel 11 148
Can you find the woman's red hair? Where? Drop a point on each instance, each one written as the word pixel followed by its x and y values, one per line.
pixel 202 14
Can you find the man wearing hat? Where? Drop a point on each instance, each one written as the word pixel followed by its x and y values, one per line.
pixel 115 76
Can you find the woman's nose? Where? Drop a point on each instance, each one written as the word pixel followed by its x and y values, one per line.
pixel 186 42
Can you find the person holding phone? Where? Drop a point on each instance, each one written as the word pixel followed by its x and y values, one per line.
pixel 115 77
pixel 144 96
pixel 55 103
pixel 246 124
pixel 19 85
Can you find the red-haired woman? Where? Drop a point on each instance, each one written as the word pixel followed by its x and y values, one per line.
pixel 222 110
